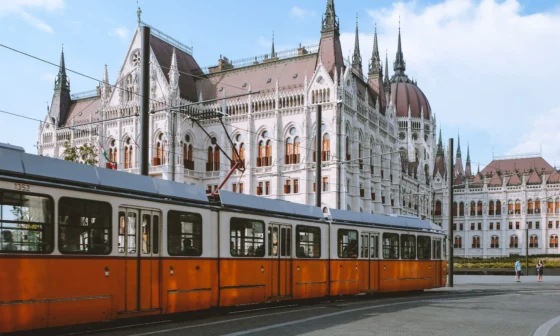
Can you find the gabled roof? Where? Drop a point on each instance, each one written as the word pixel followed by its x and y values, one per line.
pixel 185 62
pixel 522 165
pixel 514 180
pixel 534 178
pixel 84 110
pixel 477 181
pixel 495 180
pixel 554 177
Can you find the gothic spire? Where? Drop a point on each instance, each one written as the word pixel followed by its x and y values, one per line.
pixel 440 144
pixel 458 147
pixel 330 24
pixel 139 14
pixel 174 74
pixel 468 156
pixel 272 51
pixel 357 57
pixel 375 68
pixel 61 81
pixel 399 65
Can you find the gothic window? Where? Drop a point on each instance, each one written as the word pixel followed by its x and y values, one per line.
pixel 550 206
pixel 553 241
pixel 498 208
pixel 455 209
pixel 530 206
pixel 188 161
pixel 128 154
pixel 264 158
pixel 135 58
pixel 479 209
pixel 476 242
pixel 292 147
pixel 537 206
pixel 473 208
pixel 533 241
pixel 402 135
pixel 557 205
pixel 160 150
pixel 510 207
pixel 326 146
pixel 360 154
pixel 213 163
pixel 438 209
pixel 458 242
pixel 129 88
pixel 347 147
pixel 113 151
pixel 517 207
pixel 495 242
pixel 415 136
pixel 461 209
pixel 513 241
pixel 239 145
pixel 491 208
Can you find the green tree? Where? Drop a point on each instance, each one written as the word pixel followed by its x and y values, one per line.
pixel 85 153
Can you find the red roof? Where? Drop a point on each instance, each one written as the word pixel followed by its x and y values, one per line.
pixel 534 178
pixel 514 180
pixel 495 181
pixel 405 94
pixel 523 165
pixel 554 177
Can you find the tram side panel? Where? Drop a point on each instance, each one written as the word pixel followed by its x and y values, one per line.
pixel 189 270
pixel 310 266
pixel 344 263
pixel 245 273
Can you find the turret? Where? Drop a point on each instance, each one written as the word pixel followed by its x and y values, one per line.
pixel 330 50
pixel 60 106
pixel 357 57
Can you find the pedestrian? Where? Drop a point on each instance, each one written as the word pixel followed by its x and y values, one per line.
pixel 540 268
pixel 517 270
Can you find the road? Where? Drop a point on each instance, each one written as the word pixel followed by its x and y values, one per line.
pixel 493 305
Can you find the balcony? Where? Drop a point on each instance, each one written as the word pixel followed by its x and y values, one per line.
pixel 265 161
pixel 291 158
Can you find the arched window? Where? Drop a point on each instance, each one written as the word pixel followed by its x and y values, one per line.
pixel 476 242
pixel 498 208
pixel 510 207
pixel 129 88
pixel 160 151
pixel 533 241
pixel 473 208
pixel 461 209
pixel 513 242
pixel 128 149
pixel 326 147
pixel 360 151
pixel 264 158
pixel 491 208
pixel 495 242
pixel 537 206
pixel 438 209
pixel 458 242
pixel 557 205
pixel 213 163
pixel 239 147
pixel 550 206
pixel 347 146
pixel 553 241
pixel 371 155
pixel 479 209
pixel 325 210
pixel 530 206
pixel 113 151
pixel 517 207
pixel 188 161
pixel 455 209
pixel 292 147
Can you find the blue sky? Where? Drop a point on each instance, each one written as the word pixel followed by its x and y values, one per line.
pixel 487 67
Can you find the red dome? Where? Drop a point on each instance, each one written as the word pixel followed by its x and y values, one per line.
pixel 405 94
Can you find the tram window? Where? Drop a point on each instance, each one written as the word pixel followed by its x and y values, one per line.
pixel 408 246
pixel 155 230
pixel 26 223
pixel 390 246
pixel 437 249
pixel 347 243
pixel 246 237
pixel 373 247
pixel 424 248
pixel 184 236
pixel 84 226
pixel 308 241
pixel 444 248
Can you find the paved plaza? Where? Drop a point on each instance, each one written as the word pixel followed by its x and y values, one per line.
pixel 493 305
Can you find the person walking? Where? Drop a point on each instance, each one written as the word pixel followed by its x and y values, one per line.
pixel 517 270
pixel 540 268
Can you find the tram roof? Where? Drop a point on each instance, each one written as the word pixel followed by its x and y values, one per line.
pixel 400 222
pixel 238 200
pixel 14 161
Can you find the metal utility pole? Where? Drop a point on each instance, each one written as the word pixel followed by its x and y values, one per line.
pixel 450 211
pixel 527 249
pixel 318 147
pixel 145 101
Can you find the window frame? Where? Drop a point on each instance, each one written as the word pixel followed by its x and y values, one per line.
pixel 109 227
pixel 411 253
pixel 253 238
pixel 46 243
pixel 313 243
pixel 341 245
pixel 182 235
pixel 384 247
pixel 428 247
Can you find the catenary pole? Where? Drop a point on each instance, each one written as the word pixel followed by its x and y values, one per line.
pixel 527 250
pixel 318 143
pixel 450 212
pixel 145 101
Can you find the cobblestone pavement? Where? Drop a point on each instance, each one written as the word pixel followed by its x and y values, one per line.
pixel 472 307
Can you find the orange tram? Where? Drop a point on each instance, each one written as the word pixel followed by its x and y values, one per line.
pixel 84 244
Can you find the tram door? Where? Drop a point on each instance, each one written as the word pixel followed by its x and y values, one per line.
pixel 280 250
pixel 436 261
pixel 139 237
pixel 369 252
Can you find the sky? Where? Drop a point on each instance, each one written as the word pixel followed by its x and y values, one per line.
pixel 489 68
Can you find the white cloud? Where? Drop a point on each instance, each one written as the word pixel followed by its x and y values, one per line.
pixel 122 32
pixel 300 13
pixel 48 77
pixel 22 8
pixel 484 65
